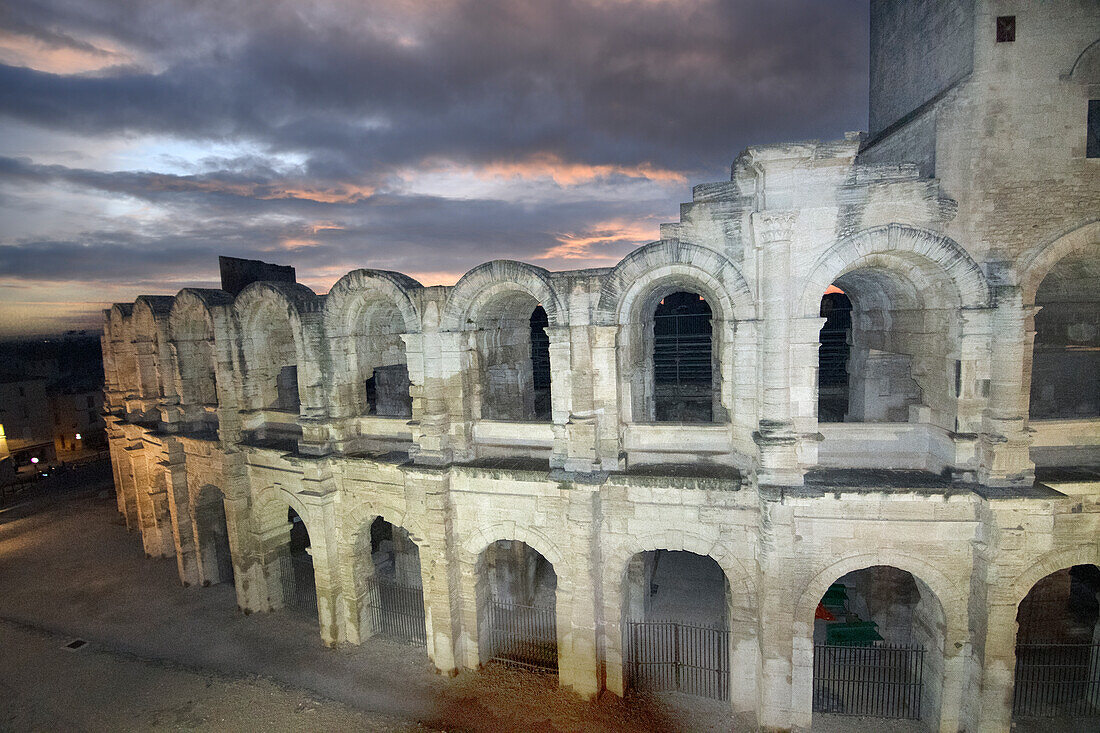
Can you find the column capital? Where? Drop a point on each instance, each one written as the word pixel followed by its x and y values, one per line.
pixel 773 226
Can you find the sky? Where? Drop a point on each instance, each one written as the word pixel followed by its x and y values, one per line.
pixel 140 139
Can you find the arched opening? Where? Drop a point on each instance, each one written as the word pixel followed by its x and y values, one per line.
pixel 380 362
pixel 1066 356
pixel 517 606
pixel 878 649
pixel 212 535
pixel 683 359
pixel 832 371
pixel 393 595
pixel 513 353
pixel 299 586
pixel 540 362
pixel 902 362
pixel 676 634
pixel 271 361
pixel 1057 676
pixel 193 343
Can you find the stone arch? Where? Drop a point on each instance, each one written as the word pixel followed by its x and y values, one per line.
pixel 191 334
pixel 270 319
pixel 630 298
pixel 907 247
pixel 951 597
pixel 952 603
pixel 357 522
pixel 483 536
pixel 149 322
pixel 670 262
pixel 269 509
pixel 1086 67
pixel 741 611
pixel 1050 563
pixel 366 313
pixel 346 299
pixel 1037 264
pixel 471 302
pixel 740 579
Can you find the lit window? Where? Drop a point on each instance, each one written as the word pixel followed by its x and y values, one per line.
pixel 1006 28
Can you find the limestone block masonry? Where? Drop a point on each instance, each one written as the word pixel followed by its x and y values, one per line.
pixel 227 412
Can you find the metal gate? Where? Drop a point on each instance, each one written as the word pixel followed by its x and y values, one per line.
pixel 880 681
pixel 299 589
pixel 525 636
pixel 682 349
pixel 668 655
pixel 1054 680
pixel 397 611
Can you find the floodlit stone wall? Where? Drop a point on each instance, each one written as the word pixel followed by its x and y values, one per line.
pixel 944 275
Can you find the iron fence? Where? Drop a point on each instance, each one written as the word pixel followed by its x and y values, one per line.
pixel 669 655
pixel 682 349
pixel 1057 680
pixel 397 610
pixel 299 589
pixel 521 635
pixel 879 680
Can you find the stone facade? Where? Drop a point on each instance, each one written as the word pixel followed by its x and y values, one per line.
pixel 258 402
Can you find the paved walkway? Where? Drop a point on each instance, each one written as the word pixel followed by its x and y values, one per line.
pixel 69 569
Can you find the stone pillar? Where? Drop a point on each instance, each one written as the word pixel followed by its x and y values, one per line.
pixel 181 511
pixel 775 437
pixel 316 437
pixel 319 494
pixel 436 365
pixel 579 598
pixel 245 546
pixel 1005 443
pixel 561 392
pixel 805 350
pixel 786 643
pixel 439 568
pixel 603 418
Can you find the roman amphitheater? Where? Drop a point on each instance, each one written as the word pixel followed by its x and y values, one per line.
pixel 831 445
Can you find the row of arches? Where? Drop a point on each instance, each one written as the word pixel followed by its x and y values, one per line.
pixel 884 635
pixel 895 305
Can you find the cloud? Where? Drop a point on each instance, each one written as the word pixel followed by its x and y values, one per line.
pixel 421 137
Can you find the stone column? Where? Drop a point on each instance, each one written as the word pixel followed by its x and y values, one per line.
pixel 561 391
pixel 1005 443
pixel 604 414
pixel 781 634
pixel 181 511
pixel 579 598
pixel 775 437
pixel 319 495
pixel 316 437
pixel 430 488
pixel 805 350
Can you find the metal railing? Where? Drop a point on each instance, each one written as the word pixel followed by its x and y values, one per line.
pixel 682 349
pixel 397 610
pixel 669 655
pixel 299 588
pixel 1057 680
pixel 880 680
pixel 520 635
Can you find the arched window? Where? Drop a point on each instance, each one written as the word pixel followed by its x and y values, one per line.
pixel 1066 357
pixel 513 352
pixel 683 355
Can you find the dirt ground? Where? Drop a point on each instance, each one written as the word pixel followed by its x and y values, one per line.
pixel 163 657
